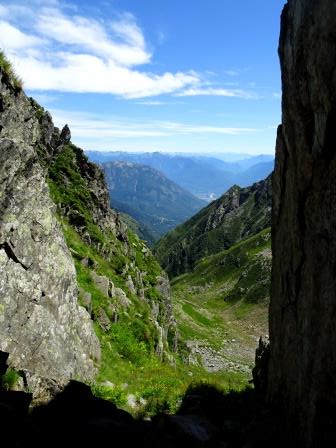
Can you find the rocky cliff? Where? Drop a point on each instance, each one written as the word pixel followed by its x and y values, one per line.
pixel 238 214
pixel 303 304
pixel 41 324
pixel 61 246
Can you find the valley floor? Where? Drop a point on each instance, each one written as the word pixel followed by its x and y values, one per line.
pixel 220 336
pixel 222 306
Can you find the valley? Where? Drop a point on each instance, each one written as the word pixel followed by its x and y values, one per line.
pixel 148 196
pixel 180 292
pixel 221 306
pixel 206 177
pixel 136 342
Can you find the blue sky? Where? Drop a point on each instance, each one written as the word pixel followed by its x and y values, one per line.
pixel 152 75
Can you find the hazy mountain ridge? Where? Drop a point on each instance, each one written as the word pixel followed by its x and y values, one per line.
pixel 207 177
pixel 149 197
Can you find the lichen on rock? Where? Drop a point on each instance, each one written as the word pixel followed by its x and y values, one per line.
pixel 41 324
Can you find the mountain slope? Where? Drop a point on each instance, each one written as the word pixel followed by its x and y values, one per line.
pixel 80 294
pixel 254 173
pixel 149 197
pixel 205 177
pixel 238 214
pixel 138 228
pixel 221 307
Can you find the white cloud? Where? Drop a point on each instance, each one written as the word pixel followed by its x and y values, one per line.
pixel 55 50
pixel 80 54
pixel 15 39
pixel 86 73
pixel 89 35
pixel 231 93
pixel 127 29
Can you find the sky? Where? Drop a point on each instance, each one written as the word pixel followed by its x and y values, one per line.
pixel 198 76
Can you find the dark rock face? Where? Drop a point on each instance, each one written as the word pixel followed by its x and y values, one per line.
pixel 303 305
pixel 260 370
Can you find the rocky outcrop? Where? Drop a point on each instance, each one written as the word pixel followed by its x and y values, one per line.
pixel 303 305
pixel 109 254
pixel 238 214
pixel 42 326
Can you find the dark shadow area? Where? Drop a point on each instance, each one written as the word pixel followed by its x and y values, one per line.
pixel 206 418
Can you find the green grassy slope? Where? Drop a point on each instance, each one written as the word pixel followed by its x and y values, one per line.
pixel 222 306
pixel 238 214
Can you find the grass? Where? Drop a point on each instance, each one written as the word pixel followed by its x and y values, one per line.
pixel 7 67
pixel 223 303
pixel 159 386
pixel 9 379
pixel 195 315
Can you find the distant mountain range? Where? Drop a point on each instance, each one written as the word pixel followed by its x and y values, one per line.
pixel 238 214
pixel 149 197
pixel 206 177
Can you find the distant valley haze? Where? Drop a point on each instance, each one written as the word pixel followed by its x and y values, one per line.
pixel 205 176
pixel 155 192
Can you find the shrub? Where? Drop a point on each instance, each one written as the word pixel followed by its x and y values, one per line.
pixel 9 379
pixel 114 394
pixel 7 68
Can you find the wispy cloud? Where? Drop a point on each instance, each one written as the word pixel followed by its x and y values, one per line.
pixel 151 103
pixel 161 37
pixel 158 103
pixel 46 99
pixel 89 127
pixel 210 91
pixel 16 40
pixel 231 72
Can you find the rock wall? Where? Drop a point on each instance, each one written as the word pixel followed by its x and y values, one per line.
pixel 41 325
pixel 303 305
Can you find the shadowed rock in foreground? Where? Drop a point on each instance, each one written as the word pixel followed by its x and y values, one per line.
pixel 302 376
pixel 76 418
